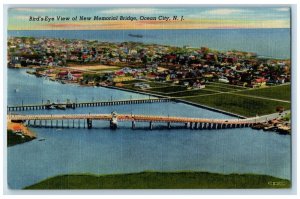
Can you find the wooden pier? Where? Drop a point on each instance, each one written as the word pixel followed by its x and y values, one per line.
pixel 74 105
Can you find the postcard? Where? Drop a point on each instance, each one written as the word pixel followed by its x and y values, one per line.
pixel 149 97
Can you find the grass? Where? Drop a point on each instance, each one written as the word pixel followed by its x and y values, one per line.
pixel 191 93
pixel 276 92
pixel 227 85
pixel 169 89
pixel 218 88
pixel 162 180
pixel 242 105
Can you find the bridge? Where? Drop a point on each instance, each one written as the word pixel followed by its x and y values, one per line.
pixel 74 105
pixel 74 120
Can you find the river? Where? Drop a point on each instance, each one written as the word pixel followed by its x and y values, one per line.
pixel 104 151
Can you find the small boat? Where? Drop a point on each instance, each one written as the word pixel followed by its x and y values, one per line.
pixel 42 139
pixel 135 35
pixel 16 90
pixel 61 107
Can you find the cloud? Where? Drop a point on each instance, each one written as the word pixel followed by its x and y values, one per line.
pixel 30 9
pixel 282 9
pixel 224 11
pixel 136 11
pixel 21 17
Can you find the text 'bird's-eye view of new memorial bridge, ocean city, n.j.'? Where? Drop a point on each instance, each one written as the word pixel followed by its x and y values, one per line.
pixel 201 99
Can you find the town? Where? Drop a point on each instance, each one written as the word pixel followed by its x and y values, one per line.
pixel 234 81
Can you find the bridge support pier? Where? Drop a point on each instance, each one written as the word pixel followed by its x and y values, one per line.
pixel 150 125
pixel 34 123
pixel 186 125
pixel 196 125
pixel 209 125
pixel 214 126
pixel 133 124
pixel 62 123
pixel 191 125
pixel 73 123
pixel 51 123
pixel 89 123
pixel 200 126
pixel 169 125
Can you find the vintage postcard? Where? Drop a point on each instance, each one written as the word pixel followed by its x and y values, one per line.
pixel 149 97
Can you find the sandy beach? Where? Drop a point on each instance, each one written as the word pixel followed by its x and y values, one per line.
pixel 92 67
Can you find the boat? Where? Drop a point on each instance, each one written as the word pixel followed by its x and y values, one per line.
pixel 50 107
pixel 42 139
pixel 16 90
pixel 135 35
pixel 114 120
pixel 61 107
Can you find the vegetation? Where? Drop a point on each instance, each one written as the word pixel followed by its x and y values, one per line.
pixel 277 92
pixel 191 93
pixel 219 88
pixel 162 180
pixel 168 89
pixel 14 138
pixel 242 105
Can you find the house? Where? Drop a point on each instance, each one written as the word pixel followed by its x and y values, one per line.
pixel 259 82
pixel 62 75
pixel 73 77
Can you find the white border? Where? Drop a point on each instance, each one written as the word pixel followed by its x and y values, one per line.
pixel 295 108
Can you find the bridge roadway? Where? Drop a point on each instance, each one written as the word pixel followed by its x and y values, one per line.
pixel 129 117
pixel 193 123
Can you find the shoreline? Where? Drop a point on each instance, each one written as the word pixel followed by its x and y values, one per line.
pixel 18 133
pixel 161 96
pixel 177 100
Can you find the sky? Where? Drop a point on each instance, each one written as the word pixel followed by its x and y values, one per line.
pixel 194 18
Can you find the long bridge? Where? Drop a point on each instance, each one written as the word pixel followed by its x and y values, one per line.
pixel 74 105
pixel 74 120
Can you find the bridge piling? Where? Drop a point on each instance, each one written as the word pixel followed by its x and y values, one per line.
pixel 200 126
pixel 191 125
pixel 196 125
pixel 150 125
pixel 169 125
pixel 133 124
pixel 89 123
pixel 186 125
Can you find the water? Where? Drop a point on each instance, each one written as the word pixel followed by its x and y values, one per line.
pixel 104 151
pixel 265 42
